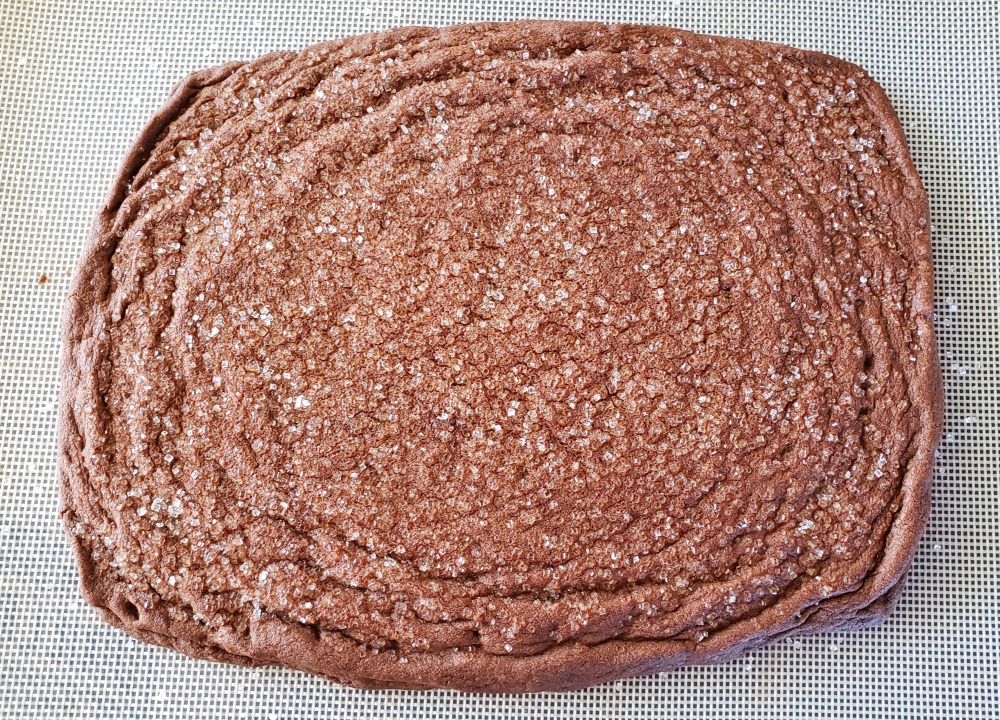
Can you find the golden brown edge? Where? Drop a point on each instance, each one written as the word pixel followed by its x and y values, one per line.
pixel 564 667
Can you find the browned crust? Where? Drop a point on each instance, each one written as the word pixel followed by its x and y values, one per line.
pixel 567 666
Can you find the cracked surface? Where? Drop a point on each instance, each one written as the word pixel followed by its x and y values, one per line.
pixel 503 357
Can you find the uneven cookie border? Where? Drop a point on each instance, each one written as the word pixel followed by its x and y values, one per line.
pixel 564 667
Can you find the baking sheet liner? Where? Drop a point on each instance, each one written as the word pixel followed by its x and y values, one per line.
pixel 77 83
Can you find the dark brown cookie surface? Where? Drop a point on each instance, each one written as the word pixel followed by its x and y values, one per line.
pixel 504 357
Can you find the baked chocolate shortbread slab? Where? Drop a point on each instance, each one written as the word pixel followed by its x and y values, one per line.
pixel 503 357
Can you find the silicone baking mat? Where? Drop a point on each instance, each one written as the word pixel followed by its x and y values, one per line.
pixel 78 81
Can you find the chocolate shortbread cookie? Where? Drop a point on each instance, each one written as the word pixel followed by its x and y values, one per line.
pixel 503 357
